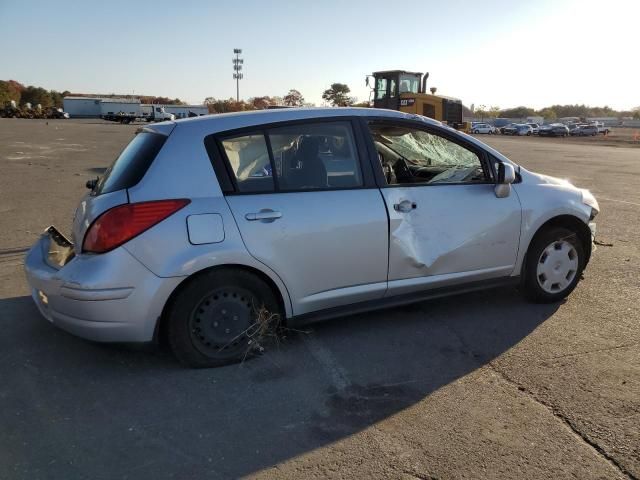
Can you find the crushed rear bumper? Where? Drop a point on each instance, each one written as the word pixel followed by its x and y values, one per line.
pixel 109 297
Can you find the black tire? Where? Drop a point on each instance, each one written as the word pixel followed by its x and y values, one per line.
pixel 552 236
pixel 475 132
pixel 211 320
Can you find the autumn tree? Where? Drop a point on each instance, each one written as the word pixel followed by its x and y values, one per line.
pixel 338 95
pixel 10 90
pixel 260 103
pixel 294 98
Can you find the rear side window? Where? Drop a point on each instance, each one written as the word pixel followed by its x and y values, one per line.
pixel 248 157
pixel 132 163
pixel 309 156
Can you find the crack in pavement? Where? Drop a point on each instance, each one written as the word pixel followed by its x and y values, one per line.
pixel 552 409
pixel 596 350
pixel 566 421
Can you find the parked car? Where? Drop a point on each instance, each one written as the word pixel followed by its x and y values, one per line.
pixel 206 229
pixel 585 130
pixel 502 128
pixel 483 128
pixel 603 129
pixel 518 129
pixel 534 128
pixel 553 130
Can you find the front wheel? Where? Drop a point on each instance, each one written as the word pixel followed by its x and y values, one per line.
pixel 554 264
pixel 219 317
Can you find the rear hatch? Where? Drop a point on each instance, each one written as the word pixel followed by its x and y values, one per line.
pixel 125 172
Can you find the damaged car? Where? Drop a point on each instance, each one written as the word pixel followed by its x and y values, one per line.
pixel 204 227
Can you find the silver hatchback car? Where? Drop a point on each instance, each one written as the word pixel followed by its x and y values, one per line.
pixel 203 226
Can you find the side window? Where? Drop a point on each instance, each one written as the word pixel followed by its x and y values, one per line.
pixel 411 155
pixel 381 88
pixel 315 156
pixel 248 157
pixel 392 88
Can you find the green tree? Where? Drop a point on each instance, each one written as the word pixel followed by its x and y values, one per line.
pixel 480 111
pixel 293 98
pixel 36 95
pixel 338 95
pixel 548 113
pixel 636 113
pixel 494 111
pixel 517 112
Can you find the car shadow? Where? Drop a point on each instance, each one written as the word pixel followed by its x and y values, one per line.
pixel 83 407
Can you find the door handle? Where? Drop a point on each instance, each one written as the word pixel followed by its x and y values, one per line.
pixel 405 206
pixel 264 215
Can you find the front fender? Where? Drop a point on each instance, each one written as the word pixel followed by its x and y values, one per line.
pixel 541 203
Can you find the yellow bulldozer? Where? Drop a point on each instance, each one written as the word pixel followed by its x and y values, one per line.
pixel 406 92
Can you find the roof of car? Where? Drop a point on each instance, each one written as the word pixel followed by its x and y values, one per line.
pixel 228 121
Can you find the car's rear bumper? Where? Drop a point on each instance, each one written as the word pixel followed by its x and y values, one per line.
pixel 107 298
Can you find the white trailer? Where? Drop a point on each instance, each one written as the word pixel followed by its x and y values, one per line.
pixel 120 110
pixel 184 111
pixel 81 107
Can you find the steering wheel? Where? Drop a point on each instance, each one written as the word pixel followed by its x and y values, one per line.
pixel 402 171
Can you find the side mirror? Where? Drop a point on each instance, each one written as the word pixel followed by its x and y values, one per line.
pixel 506 176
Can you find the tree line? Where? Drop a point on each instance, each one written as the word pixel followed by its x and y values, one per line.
pixel 554 111
pixel 21 94
pixel 337 95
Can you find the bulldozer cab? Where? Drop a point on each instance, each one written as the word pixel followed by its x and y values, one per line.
pixel 390 84
pixel 407 92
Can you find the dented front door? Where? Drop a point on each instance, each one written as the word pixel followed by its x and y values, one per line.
pixel 442 235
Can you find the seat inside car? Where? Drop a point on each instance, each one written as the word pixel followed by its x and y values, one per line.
pixel 307 169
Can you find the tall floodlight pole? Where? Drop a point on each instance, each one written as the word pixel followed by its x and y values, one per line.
pixel 237 68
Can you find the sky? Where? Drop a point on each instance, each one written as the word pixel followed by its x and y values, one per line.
pixel 490 52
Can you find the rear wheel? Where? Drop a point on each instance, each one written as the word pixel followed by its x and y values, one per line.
pixel 214 320
pixel 554 264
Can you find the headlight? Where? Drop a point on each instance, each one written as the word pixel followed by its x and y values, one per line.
pixel 590 200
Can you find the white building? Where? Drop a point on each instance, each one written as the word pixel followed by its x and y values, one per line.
pixel 95 107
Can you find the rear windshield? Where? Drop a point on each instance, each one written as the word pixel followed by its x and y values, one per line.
pixel 131 165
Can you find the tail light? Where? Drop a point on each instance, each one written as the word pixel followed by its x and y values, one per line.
pixel 120 224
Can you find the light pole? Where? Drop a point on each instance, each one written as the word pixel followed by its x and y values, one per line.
pixel 237 67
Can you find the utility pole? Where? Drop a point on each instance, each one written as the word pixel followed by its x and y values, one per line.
pixel 237 67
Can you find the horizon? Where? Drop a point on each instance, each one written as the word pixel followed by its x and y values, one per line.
pixel 490 58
